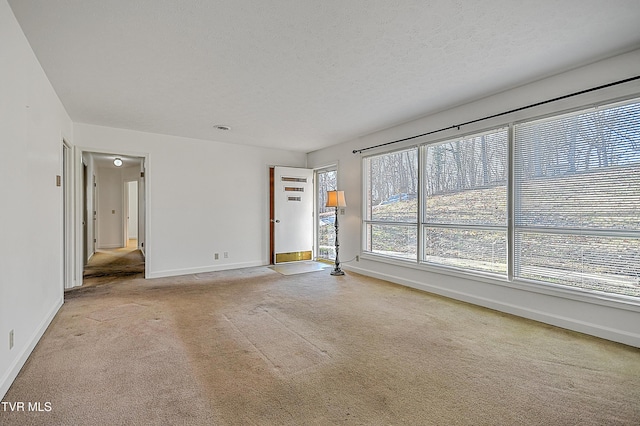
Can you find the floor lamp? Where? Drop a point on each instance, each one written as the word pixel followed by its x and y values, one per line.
pixel 336 199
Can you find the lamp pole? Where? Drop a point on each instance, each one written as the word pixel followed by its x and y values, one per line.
pixel 336 269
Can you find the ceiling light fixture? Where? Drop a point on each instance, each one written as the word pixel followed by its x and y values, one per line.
pixel 221 127
pixel 117 162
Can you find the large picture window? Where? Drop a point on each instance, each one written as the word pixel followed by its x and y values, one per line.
pixel 577 211
pixel 391 218
pixel 570 185
pixel 465 203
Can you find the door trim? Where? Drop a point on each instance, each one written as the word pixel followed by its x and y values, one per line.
pixel 145 200
pixel 272 214
pixel 68 234
pixel 293 187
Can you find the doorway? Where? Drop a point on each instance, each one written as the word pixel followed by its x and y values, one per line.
pixel 114 202
pixel 131 229
pixel 291 214
pixel 320 229
pixel 326 180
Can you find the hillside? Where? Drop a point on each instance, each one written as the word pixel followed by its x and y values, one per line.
pixel 600 261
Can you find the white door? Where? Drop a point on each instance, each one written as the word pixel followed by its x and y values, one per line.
pixel 293 214
pixel 131 231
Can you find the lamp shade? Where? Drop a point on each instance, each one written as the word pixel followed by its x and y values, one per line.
pixel 336 199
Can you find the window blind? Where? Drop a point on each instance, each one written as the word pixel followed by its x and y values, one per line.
pixel 465 207
pixel 391 205
pixel 577 199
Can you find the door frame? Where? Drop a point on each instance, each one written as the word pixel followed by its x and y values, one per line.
pixel 289 256
pixel 317 207
pixel 80 241
pixel 127 207
pixel 272 213
pixel 68 217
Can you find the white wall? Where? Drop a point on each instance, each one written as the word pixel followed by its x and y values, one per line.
pixel 611 320
pixel 203 197
pixel 111 203
pixel 32 124
pixel 110 208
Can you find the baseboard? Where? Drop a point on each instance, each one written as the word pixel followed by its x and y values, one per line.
pixel 593 329
pixel 14 370
pixel 200 270
pixel 109 246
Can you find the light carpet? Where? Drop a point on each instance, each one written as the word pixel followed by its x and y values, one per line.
pixel 254 347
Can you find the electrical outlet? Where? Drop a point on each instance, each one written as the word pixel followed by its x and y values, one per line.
pixel 11 339
pixel 216 256
pixel 342 212
pixel 226 254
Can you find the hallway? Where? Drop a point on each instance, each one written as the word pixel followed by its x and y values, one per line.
pixel 109 265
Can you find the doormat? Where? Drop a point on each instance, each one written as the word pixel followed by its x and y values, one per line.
pixel 299 267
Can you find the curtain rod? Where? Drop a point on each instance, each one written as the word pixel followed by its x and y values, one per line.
pixel 457 126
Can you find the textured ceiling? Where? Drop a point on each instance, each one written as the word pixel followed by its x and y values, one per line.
pixel 305 74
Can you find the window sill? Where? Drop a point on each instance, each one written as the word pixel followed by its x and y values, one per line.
pixel 582 295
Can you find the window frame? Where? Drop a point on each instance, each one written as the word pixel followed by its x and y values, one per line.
pixel 510 279
pixel 423 223
pixel 317 207
pixel 571 231
pixel 367 213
